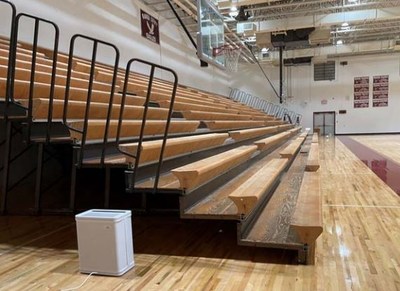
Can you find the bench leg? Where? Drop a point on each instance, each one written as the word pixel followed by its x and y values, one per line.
pixel 311 254
pixel 306 255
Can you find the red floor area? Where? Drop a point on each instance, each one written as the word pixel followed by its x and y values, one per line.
pixel 383 167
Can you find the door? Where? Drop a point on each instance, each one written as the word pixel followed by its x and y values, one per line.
pixel 324 123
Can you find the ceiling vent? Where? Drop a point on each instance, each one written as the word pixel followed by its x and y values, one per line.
pixel 246 28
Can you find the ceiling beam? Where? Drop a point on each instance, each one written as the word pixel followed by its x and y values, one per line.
pixel 330 19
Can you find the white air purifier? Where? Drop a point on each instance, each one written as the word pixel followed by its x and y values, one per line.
pixel 105 242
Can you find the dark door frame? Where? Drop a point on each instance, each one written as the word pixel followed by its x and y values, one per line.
pixel 322 112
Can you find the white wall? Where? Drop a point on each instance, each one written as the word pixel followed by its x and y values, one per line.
pixel 307 94
pixel 339 95
pixel 118 22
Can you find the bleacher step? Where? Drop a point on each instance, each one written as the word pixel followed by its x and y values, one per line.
pixel 271 228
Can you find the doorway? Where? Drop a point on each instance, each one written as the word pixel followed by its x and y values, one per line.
pixel 324 122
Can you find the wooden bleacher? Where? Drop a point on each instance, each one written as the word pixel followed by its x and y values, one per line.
pixel 226 161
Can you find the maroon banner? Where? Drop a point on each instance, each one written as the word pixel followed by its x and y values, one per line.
pixel 150 28
pixel 380 91
pixel 361 92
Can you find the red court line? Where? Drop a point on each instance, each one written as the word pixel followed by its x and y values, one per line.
pixel 386 169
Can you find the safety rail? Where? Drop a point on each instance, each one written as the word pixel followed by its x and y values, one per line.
pixel 83 132
pixel 9 97
pixel 267 107
pixel 153 67
pixel 37 21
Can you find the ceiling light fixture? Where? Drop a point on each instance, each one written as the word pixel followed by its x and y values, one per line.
pixel 339 42
pixel 233 12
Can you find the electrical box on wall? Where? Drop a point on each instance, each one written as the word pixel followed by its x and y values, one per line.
pixel 342 111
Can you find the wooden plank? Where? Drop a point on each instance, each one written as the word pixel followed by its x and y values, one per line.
pixel 305 133
pixel 150 151
pixel 182 106
pixel 76 110
pixel 28 57
pixel 307 218
pixel 252 191
pixel 201 115
pixel 251 133
pixel 290 151
pixel 45 78
pixel 157 96
pixel 43 68
pixel 274 122
pixel 41 90
pixel 131 128
pixel 272 224
pixel 315 137
pixel 192 175
pixel 267 143
pixel 286 126
pixel 313 158
pixel 221 124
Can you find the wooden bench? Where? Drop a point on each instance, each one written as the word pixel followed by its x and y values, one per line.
pixel 274 122
pixel 150 151
pixel 182 106
pixel 192 175
pixel 28 57
pixel 313 158
pixel 156 96
pixel 269 142
pixel 252 133
pixel 76 110
pixel 43 68
pixel 21 91
pixel 285 127
pixel 131 128
pixel 305 133
pixel 45 78
pixel 307 218
pixel 290 151
pixel 233 124
pixel 252 191
pixel 203 115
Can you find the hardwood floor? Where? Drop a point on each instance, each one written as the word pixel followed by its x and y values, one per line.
pixel 357 251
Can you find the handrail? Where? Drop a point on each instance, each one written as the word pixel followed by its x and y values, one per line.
pixel 11 59
pixel 153 67
pixel 38 20
pixel 96 43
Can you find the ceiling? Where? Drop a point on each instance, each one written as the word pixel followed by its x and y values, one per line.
pixel 332 28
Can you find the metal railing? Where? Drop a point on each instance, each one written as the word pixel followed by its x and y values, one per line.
pixel 37 22
pixel 136 156
pixel 265 106
pixel 83 131
pixel 9 97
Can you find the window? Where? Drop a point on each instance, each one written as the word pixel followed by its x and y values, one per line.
pixel 325 71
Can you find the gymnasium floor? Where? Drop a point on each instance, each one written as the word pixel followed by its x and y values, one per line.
pixel 358 250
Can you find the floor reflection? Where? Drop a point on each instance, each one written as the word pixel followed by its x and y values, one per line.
pixel 386 169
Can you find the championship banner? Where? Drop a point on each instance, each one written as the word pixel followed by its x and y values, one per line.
pixel 380 91
pixel 361 92
pixel 149 27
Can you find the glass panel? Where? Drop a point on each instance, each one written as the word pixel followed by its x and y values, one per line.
pixel 210 37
